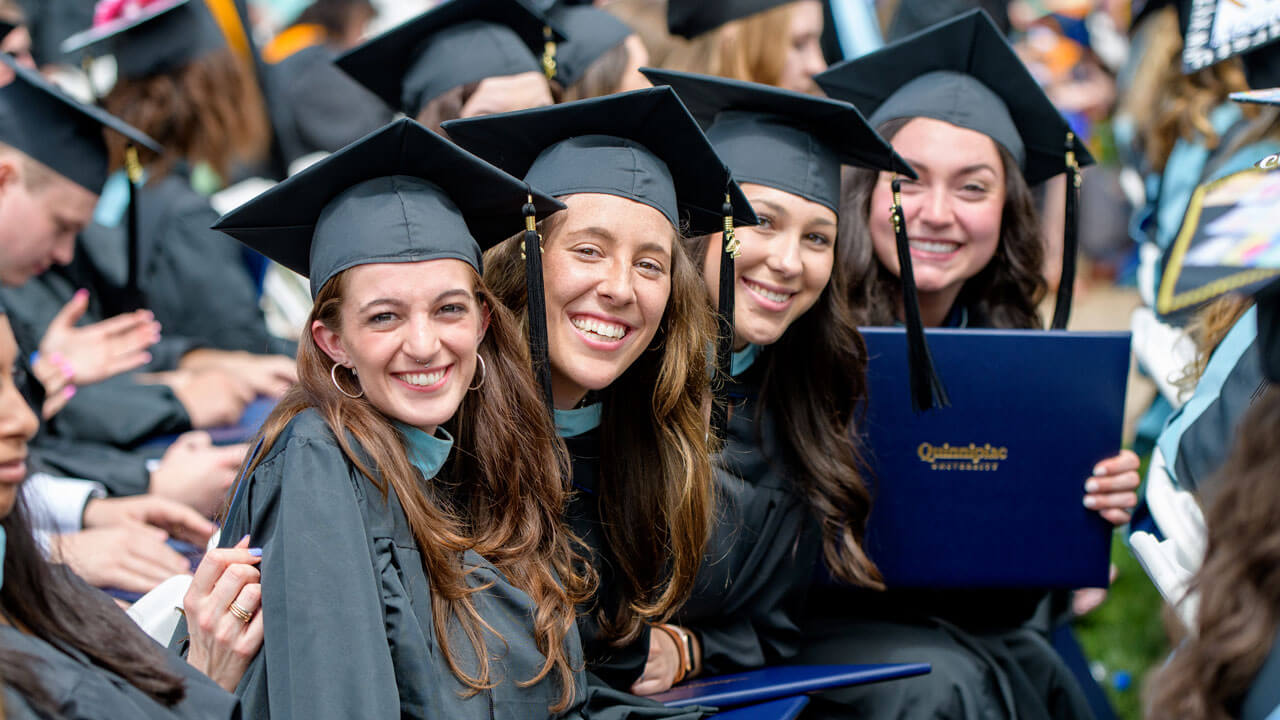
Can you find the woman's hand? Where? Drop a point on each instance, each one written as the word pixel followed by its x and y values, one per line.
pixel 662 666
pixel 226 583
pixel 98 351
pixel 1112 490
pixel 197 473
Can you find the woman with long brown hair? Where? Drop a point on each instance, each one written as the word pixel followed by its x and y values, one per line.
pixel 627 329
pixel 977 133
pixel 789 478
pixel 403 576
pixel 773 42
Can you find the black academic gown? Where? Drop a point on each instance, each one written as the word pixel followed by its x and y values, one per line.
pixel 989 649
pixel 193 278
pixel 84 691
pixel 619 667
pixel 751 589
pixel 347 606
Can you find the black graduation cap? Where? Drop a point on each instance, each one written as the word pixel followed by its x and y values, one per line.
pixel 400 194
pixel 1269 330
pixel 160 37
pixel 53 128
pixel 458 42
pixel 964 72
pixel 780 138
pixel 642 145
pixel 590 32
pixel 691 18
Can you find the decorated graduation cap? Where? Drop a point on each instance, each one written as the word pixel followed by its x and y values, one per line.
pixel 641 145
pixel 400 194
pixel 965 73
pixel 150 38
pixel 590 32
pixel 783 139
pixel 1216 30
pixel 691 18
pixel 459 42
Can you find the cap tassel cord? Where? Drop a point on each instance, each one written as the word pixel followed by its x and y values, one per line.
pixel 531 251
pixel 730 248
pixel 927 390
pixel 548 53
pixel 133 172
pixel 1070 239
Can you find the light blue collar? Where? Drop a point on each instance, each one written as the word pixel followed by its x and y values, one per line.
pixel 427 452
pixel 3 544
pixel 114 200
pixel 743 359
pixel 572 423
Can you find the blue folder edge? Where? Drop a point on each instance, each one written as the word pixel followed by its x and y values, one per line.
pixel 772 683
pixel 787 709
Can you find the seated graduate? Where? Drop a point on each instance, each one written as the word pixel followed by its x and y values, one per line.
pixel 601 54
pixel 789 478
pixel 65 649
pixel 459 60
pixel 1228 666
pixel 403 576
pixel 774 42
pixel 53 160
pixel 627 331
pixel 957 104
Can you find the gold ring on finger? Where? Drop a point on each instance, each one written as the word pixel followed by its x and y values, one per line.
pixel 240 613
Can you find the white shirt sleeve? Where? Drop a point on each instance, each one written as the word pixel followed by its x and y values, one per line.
pixel 57 503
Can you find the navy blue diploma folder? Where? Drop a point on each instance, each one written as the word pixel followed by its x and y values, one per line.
pixel 988 492
pixel 772 683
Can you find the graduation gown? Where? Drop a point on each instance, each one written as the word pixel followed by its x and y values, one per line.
pixel 84 691
pixel 347 602
pixel 619 667
pixel 751 589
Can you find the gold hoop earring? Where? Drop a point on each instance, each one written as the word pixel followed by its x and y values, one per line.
pixel 333 375
pixel 484 373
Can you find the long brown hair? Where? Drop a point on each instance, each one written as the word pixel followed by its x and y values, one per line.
pixel 815 376
pixel 52 604
pixel 655 468
pixel 209 110
pixel 508 485
pixel 753 48
pixel 1238 584
pixel 1004 294
pixel 1207 329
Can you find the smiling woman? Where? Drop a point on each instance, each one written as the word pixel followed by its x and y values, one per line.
pixel 444 575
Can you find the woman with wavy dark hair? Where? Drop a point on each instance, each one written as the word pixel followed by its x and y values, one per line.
pixel 977 135
pixel 789 477
pixel 627 329
pixel 407 493
pixel 1214 673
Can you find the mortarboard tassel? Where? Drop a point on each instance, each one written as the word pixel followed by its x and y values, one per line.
pixel 531 251
pixel 927 391
pixel 729 250
pixel 133 171
pixel 1070 239
pixel 548 53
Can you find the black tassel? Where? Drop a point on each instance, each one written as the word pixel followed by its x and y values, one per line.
pixel 724 325
pixel 132 289
pixel 927 391
pixel 1070 239
pixel 531 250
